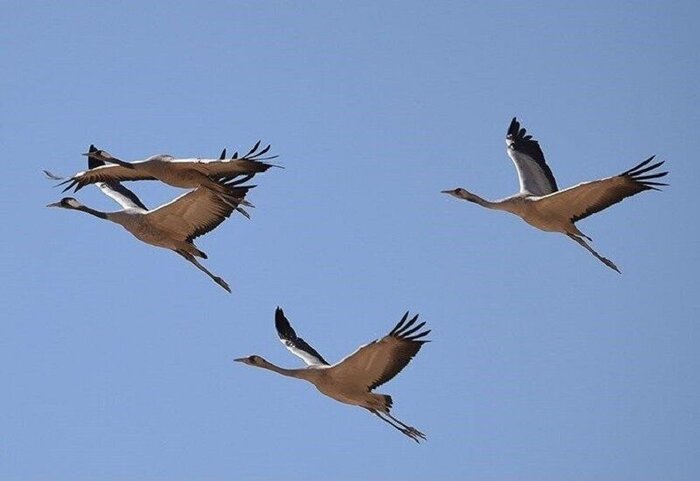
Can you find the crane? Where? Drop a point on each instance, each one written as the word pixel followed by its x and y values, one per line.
pixel 352 380
pixel 190 173
pixel 541 204
pixel 173 225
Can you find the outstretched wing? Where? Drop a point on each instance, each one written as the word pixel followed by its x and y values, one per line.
pixel 535 176
pixel 379 361
pixel 587 198
pixel 199 211
pixel 296 344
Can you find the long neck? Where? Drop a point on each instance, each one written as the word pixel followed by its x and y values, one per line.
pixel 297 373
pixel 279 370
pixel 509 204
pixel 96 213
pixel 478 200
pixel 114 160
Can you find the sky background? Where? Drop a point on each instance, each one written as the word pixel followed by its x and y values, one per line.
pixel 116 357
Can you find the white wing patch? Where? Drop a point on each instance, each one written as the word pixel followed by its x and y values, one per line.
pixel 308 358
pixel 120 197
pixel 533 179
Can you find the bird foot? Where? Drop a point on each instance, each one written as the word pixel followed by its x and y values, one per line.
pixel 611 265
pixel 414 434
pixel 242 211
pixel 222 283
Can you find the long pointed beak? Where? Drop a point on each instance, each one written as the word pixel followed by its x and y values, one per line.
pixel 85 154
pixel 240 359
pixel 446 191
pixel 55 204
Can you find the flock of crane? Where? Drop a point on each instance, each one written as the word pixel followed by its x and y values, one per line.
pixel 218 191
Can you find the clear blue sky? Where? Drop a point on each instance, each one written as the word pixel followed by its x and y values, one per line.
pixel 116 357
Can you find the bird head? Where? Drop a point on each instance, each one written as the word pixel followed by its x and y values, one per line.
pixel 67 203
pixel 251 360
pixel 99 154
pixel 460 193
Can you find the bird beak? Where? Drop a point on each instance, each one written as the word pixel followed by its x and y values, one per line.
pixel 445 191
pixel 87 154
pixel 55 204
pixel 240 359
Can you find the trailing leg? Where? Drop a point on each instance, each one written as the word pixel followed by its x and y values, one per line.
pixel 408 432
pixel 604 260
pixel 190 258
pixel 409 428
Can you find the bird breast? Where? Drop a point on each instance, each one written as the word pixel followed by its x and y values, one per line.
pixel 140 227
pixel 534 214
pixel 342 392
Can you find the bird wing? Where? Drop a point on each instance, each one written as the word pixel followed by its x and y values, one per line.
pixel 535 176
pixel 104 173
pixel 121 195
pixel 379 361
pixel 197 212
pixel 587 198
pixel 116 191
pixel 296 344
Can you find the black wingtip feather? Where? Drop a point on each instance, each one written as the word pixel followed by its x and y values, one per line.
pixel 651 176
pixel 284 329
pixel 639 173
pixel 411 331
pixel 513 128
pixel 421 334
pixel 639 166
pixel 255 147
pixel 73 182
pixel 399 325
pixel 413 320
pixel 403 329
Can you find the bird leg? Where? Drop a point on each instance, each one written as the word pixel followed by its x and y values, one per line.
pixel 604 260
pixel 236 203
pixel 408 431
pixel 410 428
pixel 189 257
